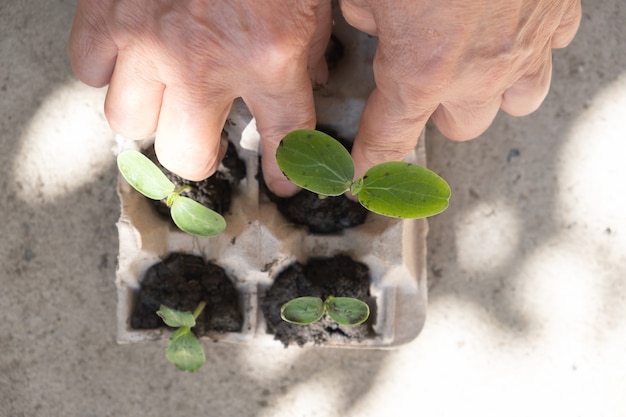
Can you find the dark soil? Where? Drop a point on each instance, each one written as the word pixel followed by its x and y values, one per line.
pixel 180 282
pixel 320 215
pixel 214 192
pixel 339 276
pixel 334 52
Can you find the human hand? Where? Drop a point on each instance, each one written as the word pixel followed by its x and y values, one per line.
pixel 174 67
pixel 458 62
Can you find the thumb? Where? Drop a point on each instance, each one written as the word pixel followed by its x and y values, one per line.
pixel 282 100
pixel 388 131
pixel 394 116
pixel 277 113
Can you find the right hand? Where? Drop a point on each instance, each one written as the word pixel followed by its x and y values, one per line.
pixel 458 62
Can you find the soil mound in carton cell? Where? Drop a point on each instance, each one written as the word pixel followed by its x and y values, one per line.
pixel 213 192
pixel 321 215
pixel 339 276
pixel 180 282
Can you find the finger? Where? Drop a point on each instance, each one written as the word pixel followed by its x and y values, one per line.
pixel 91 50
pixel 189 131
pixel 466 119
pixel 134 97
pixel 359 15
pixel 286 108
pixel 317 66
pixel 388 130
pixel 527 94
pixel 569 25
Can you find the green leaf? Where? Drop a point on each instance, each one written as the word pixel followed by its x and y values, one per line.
pixel 175 318
pixel 143 175
pixel 302 310
pixel 184 350
pixel 400 189
pixel 347 311
pixel 316 162
pixel 194 218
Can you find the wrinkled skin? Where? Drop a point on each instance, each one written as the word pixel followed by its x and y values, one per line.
pixel 457 62
pixel 174 67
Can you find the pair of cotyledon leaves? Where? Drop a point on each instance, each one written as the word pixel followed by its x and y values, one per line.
pixel 317 162
pixel 184 349
pixel 189 215
pixel 343 310
pixel 314 161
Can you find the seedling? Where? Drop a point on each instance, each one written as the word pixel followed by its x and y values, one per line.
pixel 189 215
pixel 184 349
pixel 317 162
pixel 347 311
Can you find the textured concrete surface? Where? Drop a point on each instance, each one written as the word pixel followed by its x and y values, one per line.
pixel 527 302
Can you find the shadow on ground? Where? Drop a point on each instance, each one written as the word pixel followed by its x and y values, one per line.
pixel 505 183
pixel 59 356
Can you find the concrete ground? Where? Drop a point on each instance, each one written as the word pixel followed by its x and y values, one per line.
pixel 527 310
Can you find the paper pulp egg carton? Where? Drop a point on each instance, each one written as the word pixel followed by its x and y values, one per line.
pixel 259 242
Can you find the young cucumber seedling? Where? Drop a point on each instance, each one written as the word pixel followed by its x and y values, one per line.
pixel 184 349
pixel 189 215
pixel 347 311
pixel 317 162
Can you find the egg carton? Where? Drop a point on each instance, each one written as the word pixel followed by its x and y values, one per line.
pixel 259 242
